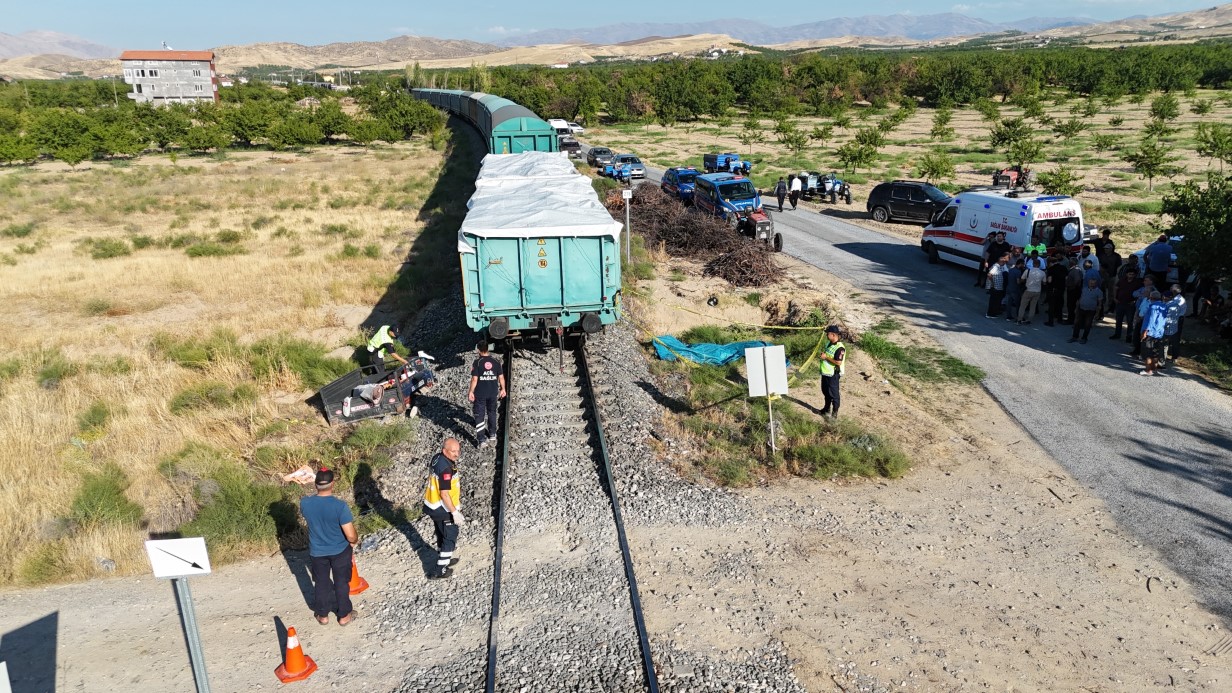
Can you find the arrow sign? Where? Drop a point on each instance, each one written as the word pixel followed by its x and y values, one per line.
pixel 172 558
pixel 191 563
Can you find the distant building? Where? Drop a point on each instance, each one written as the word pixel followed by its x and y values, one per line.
pixel 560 66
pixel 160 77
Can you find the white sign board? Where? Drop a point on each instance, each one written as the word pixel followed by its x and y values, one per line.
pixel 627 193
pixel 5 686
pixel 173 558
pixel 767 368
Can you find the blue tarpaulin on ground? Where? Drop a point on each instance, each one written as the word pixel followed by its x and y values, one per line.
pixel 667 347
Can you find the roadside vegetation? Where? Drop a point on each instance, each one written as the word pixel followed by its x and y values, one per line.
pixel 733 429
pixel 154 389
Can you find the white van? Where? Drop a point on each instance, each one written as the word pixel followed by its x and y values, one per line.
pixel 560 126
pixel 957 233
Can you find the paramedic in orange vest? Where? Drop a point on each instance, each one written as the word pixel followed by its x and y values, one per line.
pixel 442 500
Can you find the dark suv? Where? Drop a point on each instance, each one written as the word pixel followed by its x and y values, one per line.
pixel 599 156
pixel 906 200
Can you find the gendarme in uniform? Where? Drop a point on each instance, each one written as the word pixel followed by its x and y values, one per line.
pixel 442 502
pixel 833 361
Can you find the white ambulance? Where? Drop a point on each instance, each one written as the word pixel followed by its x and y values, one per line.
pixel 957 232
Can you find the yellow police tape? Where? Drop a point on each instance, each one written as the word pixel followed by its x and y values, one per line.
pixel 689 362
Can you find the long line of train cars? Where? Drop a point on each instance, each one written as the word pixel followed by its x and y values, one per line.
pixel 540 254
pixel 507 127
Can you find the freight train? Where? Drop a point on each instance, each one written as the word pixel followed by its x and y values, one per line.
pixel 540 254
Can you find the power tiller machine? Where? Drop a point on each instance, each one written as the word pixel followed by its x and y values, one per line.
pixel 362 394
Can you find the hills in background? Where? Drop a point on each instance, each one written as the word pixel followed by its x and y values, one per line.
pixel 48 55
pixel 916 27
pixel 50 42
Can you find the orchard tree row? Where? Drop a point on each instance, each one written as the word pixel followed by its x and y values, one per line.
pixel 825 83
pixel 32 127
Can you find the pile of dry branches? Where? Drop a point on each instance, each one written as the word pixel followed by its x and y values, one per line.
pixel 663 222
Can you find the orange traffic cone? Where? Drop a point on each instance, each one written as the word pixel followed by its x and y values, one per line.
pixel 358 584
pixel 298 665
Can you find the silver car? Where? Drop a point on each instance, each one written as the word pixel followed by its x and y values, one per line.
pixel 636 169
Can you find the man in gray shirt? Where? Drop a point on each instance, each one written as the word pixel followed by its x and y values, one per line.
pixel 1089 302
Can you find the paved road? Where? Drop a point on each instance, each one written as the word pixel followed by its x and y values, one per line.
pixel 1157 450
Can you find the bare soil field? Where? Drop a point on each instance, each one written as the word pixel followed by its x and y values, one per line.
pixel 1115 196
pixel 109 272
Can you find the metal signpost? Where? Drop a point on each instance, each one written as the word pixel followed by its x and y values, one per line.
pixel 767 368
pixel 178 560
pixel 627 194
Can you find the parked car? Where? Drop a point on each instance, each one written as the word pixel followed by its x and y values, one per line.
pixel 827 187
pixel 636 168
pixel 1174 271
pixel 599 156
pixel 575 128
pixel 571 147
pixel 906 200
pixel 678 182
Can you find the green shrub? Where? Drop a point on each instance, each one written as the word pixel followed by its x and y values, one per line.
pixel 372 251
pixel 603 185
pixel 262 221
pixel 211 249
pixel 229 236
pixel 753 299
pixel 241 512
pixel 335 230
pixel 926 364
pixel 142 242
pixel 211 395
pixel 55 367
pixel 191 352
pixel 101 499
pixel 115 365
pixel 97 306
pixel 1143 207
pixel 10 368
pixel 19 230
pixel 305 359
pixel 369 436
pixel 349 251
pixel 48 562
pixel 107 248
pixel 95 418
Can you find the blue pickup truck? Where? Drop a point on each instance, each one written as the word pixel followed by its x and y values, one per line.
pixel 678 182
pixel 725 163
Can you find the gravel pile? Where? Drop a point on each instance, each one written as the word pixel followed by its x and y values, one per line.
pixel 566 623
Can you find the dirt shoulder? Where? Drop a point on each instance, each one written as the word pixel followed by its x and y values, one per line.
pixel 987 566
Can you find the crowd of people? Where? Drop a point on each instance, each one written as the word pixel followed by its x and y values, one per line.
pixel 1079 291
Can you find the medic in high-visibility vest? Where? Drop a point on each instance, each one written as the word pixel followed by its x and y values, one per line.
pixel 442 502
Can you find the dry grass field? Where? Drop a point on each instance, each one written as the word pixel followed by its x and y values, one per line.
pixel 1115 196
pixel 163 316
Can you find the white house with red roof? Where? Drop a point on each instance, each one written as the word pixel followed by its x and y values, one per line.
pixel 160 77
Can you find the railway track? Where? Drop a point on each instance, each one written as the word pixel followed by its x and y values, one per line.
pixel 570 618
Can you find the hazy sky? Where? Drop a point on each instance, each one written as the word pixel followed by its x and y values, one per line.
pixel 185 26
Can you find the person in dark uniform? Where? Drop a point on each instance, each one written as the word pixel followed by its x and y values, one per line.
pixel 780 191
pixel 487 386
pixel 382 343
pixel 442 502
pixel 832 370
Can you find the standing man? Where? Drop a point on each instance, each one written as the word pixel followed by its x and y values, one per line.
pixel 1158 256
pixel 1089 303
pixel 442 502
pixel 331 541
pixel 831 371
pixel 1073 289
pixel 1013 287
pixel 780 191
pixel 985 263
pixel 1104 243
pixel 487 386
pixel 996 287
pixel 1175 309
pixel 1124 295
pixel 996 249
pixel 381 343
pixel 1055 283
pixel 796 187
pixel 1033 285
pixel 1153 332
